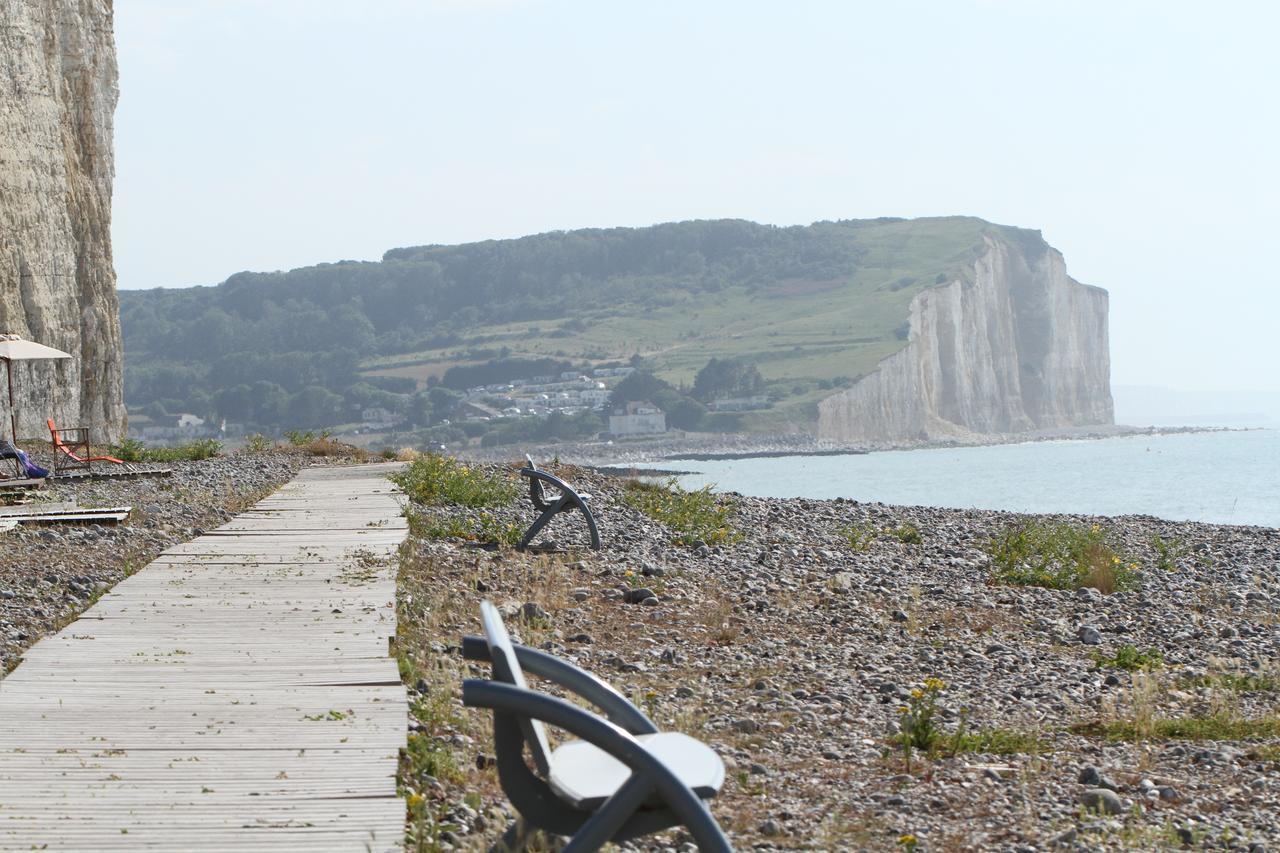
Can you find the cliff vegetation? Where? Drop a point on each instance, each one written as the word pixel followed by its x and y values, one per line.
pixel 813 308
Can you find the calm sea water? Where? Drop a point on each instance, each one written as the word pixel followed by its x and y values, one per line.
pixel 1221 477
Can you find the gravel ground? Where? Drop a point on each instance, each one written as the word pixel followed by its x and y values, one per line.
pixel 50 573
pixel 793 653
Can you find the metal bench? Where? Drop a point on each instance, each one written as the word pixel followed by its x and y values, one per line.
pixel 568 501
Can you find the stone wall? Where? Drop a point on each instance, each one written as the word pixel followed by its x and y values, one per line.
pixel 1016 345
pixel 57 285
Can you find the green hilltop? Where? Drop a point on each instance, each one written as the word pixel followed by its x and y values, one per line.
pixel 813 307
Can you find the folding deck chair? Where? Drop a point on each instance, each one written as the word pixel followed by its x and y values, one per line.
pixel 568 501
pixel 623 779
pixel 71 449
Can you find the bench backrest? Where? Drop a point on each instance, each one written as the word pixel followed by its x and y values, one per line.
pixel 507 668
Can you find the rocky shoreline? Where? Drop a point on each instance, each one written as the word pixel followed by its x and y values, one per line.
pixel 1137 719
pixel 650 452
pixel 51 573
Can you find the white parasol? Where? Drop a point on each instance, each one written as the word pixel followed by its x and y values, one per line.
pixel 14 348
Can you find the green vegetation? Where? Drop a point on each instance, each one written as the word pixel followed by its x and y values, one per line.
pixel 1130 658
pixel 1222 726
pixel 132 450
pixel 1061 556
pixel 435 479
pixel 907 534
pixel 694 516
pixel 1168 552
pixel 793 313
pixel 301 438
pixel 919 731
pixel 860 535
pixel 1239 682
pixel 489 529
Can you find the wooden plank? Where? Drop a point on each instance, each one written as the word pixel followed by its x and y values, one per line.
pixel 235 694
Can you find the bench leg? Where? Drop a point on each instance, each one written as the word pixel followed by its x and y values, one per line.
pixel 591 526
pixel 610 817
pixel 537 526
pixel 514 839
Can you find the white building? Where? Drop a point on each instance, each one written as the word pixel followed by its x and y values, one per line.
pixel 638 419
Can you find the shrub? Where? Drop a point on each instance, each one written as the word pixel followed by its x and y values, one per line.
pixel 1168 552
pixel 697 516
pixel 257 443
pixel 1061 556
pixel 1130 658
pixel 919 726
pixel 860 536
pixel 436 479
pixel 301 438
pixel 129 450
pixel 907 534
pixel 132 450
pixel 489 529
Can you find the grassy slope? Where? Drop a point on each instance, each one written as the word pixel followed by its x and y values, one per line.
pixel 797 332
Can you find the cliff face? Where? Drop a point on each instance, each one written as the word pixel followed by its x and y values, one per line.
pixel 57 285
pixel 1021 346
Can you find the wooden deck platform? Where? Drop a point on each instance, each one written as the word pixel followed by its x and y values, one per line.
pixel 235 694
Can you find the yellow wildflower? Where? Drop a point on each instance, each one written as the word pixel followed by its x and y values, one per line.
pixel 935 683
pixel 917 693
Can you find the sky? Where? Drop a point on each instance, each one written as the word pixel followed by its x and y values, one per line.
pixel 1139 137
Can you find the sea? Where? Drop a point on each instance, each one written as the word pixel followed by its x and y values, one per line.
pixel 1221 477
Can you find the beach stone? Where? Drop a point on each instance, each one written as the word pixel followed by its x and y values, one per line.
pixel 638 595
pixel 1089 635
pixel 1102 800
pixel 531 610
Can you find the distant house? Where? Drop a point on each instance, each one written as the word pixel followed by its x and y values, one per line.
pixel 472 411
pixel 637 419
pixel 180 427
pixel 594 397
pixel 377 417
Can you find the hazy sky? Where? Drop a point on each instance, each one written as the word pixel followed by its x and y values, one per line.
pixel 1140 137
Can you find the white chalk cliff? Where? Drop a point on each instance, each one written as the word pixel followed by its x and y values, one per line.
pixel 1013 345
pixel 57 285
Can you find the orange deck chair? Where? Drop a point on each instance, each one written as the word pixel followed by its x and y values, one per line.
pixel 66 443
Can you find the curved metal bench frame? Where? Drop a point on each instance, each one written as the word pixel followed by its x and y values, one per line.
pixel 622 816
pixel 568 501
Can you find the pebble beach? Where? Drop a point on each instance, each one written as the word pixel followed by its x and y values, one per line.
pixel 1139 719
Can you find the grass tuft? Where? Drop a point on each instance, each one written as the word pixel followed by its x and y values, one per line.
pixel 132 450
pixel 433 479
pixel 1220 726
pixel 1130 658
pixel 697 516
pixel 1061 556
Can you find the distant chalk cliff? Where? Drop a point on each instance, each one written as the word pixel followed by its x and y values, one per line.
pixel 1012 345
pixel 57 284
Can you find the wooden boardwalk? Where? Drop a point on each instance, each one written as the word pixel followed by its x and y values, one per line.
pixel 236 694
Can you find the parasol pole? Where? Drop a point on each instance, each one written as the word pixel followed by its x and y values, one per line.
pixel 13 413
